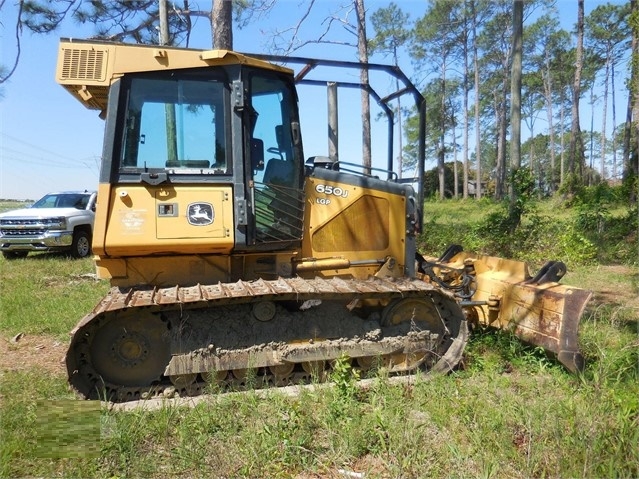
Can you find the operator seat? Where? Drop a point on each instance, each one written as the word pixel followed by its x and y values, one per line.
pixel 278 172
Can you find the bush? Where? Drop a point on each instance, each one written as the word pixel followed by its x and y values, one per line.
pixel 614 236
pixel 596 228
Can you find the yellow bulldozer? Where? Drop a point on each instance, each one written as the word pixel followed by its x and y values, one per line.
pixel 235 261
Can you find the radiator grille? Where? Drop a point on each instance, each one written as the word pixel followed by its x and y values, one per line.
pixel 84 64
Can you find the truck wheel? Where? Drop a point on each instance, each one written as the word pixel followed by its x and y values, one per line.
pixel 14 254
pixel 81 244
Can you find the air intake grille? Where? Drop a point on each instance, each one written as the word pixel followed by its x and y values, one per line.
pixel 88 64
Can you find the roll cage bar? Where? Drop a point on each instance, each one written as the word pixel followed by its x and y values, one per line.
pixel 311 65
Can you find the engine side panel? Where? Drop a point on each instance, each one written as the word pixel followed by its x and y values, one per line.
pixel 363 220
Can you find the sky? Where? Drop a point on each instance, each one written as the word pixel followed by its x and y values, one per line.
pixel 50 142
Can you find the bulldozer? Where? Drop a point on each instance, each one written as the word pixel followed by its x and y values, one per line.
pixel 235 261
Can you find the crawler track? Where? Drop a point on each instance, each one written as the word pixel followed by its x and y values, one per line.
pixel 145 342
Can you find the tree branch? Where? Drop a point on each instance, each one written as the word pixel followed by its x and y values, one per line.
pixel 17 59
pixel 285 46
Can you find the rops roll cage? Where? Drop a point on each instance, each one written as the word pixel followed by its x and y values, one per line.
pixel 311 65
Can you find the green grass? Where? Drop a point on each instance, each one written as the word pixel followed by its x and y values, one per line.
pixel 47 294
pixel 593 232
pixel 8 205
pixel 510 412
pixel 478 423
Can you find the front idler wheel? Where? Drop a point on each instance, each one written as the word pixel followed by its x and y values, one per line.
pixel 131 350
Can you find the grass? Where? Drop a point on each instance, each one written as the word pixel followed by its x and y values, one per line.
pixel 47 294
pixel 592 232
pixel 526 423
pixel 8 205
pixel 510 412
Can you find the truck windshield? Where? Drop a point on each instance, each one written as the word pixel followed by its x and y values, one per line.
pixel 63 200
pixel 175 124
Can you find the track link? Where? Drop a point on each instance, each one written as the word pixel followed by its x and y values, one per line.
pixel 141 342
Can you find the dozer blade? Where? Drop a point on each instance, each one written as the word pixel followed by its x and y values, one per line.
pixel 538 310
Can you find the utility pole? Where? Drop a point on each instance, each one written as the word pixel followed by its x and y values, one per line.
pixel 164 23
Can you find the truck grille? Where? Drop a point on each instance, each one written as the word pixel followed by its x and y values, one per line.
pixel 21 233
pixel 19 222
pixel 19 228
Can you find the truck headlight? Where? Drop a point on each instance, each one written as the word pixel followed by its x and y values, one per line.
pixel 56 223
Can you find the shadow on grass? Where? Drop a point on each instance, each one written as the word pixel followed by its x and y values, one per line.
pixel 46 255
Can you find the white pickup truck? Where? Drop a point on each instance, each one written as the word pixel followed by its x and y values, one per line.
pixel 56 222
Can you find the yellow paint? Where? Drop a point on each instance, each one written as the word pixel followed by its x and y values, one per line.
pixel 356 223
pixel 137 222
pixel 86 68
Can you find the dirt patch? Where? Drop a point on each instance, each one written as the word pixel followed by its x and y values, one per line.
pixel 41 352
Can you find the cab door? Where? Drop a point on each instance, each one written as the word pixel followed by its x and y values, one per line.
pixel 276 168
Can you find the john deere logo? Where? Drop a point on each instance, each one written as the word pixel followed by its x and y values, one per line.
pixel 200 214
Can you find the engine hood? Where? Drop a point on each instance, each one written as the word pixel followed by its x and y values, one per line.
pixel 43 213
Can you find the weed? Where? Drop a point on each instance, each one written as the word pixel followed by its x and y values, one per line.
pixel 344 376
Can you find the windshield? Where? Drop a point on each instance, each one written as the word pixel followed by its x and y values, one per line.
pixel 175 124
pixel 63 200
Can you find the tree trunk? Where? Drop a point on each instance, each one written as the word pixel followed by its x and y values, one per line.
pixel 455 169
pixel 627 131
pixel 169 108
pixel 164 22
pixel 222 24
pixel 465 153
pixel 634 80
pixel 400 134
pixel 548 91
pixel 562 122
pixel 576 158
pixel 591 154
pixel 515 108
pixel 499 166
pixel 362 50
pixel 500 104
pixel 614 123
pixel 441 157
pixel 476 67
pixel 634 90
pixel 602 161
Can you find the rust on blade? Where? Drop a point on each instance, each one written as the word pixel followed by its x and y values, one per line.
pixel 547 317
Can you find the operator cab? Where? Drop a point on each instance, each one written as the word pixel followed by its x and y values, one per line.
pixel 231 125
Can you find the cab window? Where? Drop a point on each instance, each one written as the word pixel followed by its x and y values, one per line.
pixel 175 123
